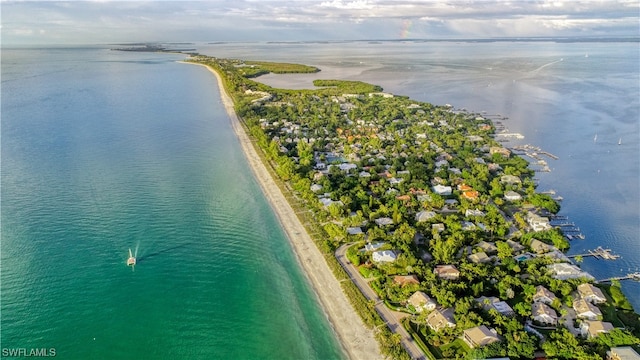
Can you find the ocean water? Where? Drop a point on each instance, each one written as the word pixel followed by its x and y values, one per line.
pixel 558 95
pixel 103 151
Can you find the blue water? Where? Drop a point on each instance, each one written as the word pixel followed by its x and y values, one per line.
pixel 103 151
pixel 559 95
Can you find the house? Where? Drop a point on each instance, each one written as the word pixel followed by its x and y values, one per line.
pixel 591 329
pixel 564 271
pixel 479 258
pixel 622 353
pixel 439 227
pixel 384 221
pixel 356 230
pixel 440 319
pixel 421 302
pixel 471 195
pixel 487 247
pixel 591 293
pixel 447 272
pixel 425 215
pixel 499 150
pixel 442 190
pixel 543 295
pixel 373 246
pixel 384 256
pixel 515 246
pixel 585 310
pixel 316 187
pixel 473 212
pixel 537 222
pixel 479 336
pixel 539 247
pixel 510 179
pixel 492 302
pixel 403 280
pixel 543 314
pixel 512 196
pixel 503 308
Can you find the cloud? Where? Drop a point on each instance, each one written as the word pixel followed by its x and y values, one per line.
pixel 257 20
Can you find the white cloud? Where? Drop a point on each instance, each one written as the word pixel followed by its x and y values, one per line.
pixel 121 21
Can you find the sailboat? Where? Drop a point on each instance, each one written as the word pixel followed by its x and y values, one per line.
pixel 131 261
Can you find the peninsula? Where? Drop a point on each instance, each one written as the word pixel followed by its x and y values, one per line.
pixel 431 229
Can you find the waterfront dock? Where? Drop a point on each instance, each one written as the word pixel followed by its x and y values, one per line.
pixel 631 276
pixel 598 253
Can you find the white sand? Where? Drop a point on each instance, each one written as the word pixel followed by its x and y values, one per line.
pixel 357 341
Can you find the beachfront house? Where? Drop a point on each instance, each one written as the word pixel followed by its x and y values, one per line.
pixel 422 302
pixel 480 336
pixel 591 293
pixel 564 271
pixel 537 222
pixel 539 247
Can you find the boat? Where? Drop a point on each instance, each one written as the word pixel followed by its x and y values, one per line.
pixel 131 261
pixel 595 138
pixel 620 141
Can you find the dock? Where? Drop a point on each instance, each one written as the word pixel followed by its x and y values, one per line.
pixel 598 253
pixel 631 276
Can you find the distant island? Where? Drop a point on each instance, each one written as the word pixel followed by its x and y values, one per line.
pixel 430 224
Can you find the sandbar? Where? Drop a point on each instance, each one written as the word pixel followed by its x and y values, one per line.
pixel 357 341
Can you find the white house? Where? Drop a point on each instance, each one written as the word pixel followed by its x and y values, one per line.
pixel 564 271
pixel 593 328
pixel 421 302
pixel 543 314
pixel 425 215
pixel 479 336
pixel 591 293
pixel 384 256
pixel 442 189
pixel 543 295
pixel 383 221
pixel 512 196
pixel 356 230
pixel 585 310
pixel 373 246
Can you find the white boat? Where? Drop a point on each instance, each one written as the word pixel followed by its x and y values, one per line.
pixel 620 141
pixel 595 138
pixel 131 261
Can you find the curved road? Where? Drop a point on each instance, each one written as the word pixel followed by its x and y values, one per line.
pixel 385 313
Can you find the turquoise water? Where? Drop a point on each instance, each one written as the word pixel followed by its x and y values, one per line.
pixel 103 151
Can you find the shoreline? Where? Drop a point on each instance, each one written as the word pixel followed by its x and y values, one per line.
pixel 356 340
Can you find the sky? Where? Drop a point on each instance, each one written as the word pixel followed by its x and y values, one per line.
pixel 107 22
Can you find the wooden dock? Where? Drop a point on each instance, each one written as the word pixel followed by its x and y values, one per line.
pixel 599 253
pixel 631 276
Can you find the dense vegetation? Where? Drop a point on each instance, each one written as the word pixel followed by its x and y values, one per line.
pixel 430 184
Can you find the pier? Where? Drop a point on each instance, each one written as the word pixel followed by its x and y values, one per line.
pixel 631 276
pixel 599 253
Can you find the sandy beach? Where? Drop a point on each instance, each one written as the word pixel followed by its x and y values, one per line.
pixel 358 342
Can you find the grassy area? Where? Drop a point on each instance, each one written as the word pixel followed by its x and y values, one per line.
pixel 282 68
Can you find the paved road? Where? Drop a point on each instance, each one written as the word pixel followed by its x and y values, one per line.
pixel 385 313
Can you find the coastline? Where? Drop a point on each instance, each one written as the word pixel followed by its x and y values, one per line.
pixel 357 341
